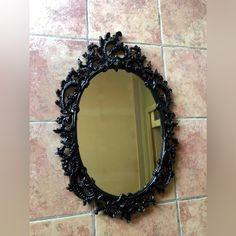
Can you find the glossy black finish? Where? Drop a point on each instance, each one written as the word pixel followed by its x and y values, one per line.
pixel 113 54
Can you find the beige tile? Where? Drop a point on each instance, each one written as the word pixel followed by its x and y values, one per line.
pixel 184 22
pixel 191 161
pixel 193 216
pixel 186 72
pixel 157 220
pixel 48 193
pixel 71 226
pixel 60 18
pixel 50 62
pixel 137 20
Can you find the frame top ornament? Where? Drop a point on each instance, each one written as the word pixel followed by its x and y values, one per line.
pixel 111 53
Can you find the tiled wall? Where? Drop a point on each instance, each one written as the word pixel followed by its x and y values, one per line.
pixel 172 34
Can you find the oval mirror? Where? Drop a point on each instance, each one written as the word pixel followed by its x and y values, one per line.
pixel 117 129
pixel 119 142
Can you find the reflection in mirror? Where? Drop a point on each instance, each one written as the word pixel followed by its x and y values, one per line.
pixel 118 132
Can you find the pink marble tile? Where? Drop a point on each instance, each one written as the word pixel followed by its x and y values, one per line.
pixel 136 19
pixel 50 62
pixel 184 22
pixel 40 228
pixel 48 193
pixel 69 226
pixel 153 54
pixel 186 72
pixel 191 162
pixel 157 220
pixel 58 18
pixel 193 216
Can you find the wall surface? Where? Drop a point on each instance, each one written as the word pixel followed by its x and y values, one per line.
pixel 172 34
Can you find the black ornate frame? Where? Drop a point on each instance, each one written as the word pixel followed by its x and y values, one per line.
pixel 113 54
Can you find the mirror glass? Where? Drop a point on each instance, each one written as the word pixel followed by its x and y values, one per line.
pixel 118 132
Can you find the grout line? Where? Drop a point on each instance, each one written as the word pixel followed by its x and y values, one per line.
pixel 162 202
pixel 160 22
pixel 175 188
pixel 177 210
pixel 87 20
pixel 74 38
pixel 129 42
pixel 93 218
pixel 156 44
pixel 164 63
pixel 183 46
pixel 177 118
pixel 179 219
pixel 91 213
pixel 142 43
pixel 94 41
pixel 59 37
pixel 44 121
pixel 181 199
pixel 162 40
pixel 191 118
pixel 94 224
pixel 200 197
pixel 59 217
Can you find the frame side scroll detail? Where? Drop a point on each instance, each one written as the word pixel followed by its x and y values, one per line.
pixel 111 53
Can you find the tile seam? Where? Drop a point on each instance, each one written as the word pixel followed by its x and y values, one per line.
pixel 59 217
pixel 41 122
pixel 177 209
pixel 184 47
pixel 164 45
pixel 177 118
pixel 87 20
pixel 94 225
pixel 93 219
pixel 162 40
pixel 179 218
pixel 127 42
pixel 192 199
pixel 91 213
pixel 181 199
pixel 59 37
pixel 191 118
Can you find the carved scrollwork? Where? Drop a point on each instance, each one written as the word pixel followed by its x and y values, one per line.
pixel 111 53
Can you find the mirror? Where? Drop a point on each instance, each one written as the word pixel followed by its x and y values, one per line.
pixel 119 143
pixel 116 128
